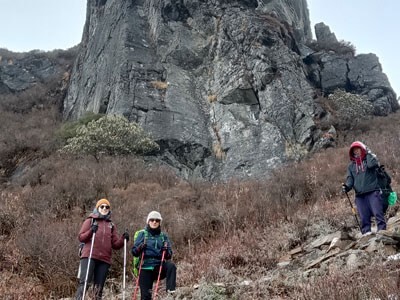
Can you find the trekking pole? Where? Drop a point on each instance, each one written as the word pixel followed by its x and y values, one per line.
pixel 354 211
pixel 159 272
pixel 123 280
pixel 137 279
pixel 88 266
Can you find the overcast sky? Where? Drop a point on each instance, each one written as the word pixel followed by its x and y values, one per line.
pixel 41 24
pixel 370 25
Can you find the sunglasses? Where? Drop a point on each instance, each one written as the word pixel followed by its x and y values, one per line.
pixel 104 207
pixel 154 220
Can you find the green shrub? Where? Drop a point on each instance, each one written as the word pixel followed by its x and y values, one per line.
pixel 110 135
pixel 69 129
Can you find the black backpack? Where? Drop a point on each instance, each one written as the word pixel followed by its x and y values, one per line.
pixel 384 181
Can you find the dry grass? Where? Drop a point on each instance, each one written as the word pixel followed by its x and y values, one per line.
pixel 212 98
pixel 374 282
pixel 218 151
pixel 159 85
pixel 339 47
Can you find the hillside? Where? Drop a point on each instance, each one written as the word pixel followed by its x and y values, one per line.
pixel 235 233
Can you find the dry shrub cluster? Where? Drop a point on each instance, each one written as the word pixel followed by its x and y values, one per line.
pixel 340 47
pixel 343 110
pixel 50 250
pixel 29 121
pixel 374 282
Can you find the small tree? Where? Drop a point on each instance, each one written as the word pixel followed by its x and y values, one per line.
pixel 112 135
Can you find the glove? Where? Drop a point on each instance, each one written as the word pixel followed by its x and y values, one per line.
pixel 369 151
pixel 141 247
pixel 345 188
pixel 126 236
pixel 165 247
pixel 94 227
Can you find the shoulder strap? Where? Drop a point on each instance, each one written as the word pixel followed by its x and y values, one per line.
pixel 162 234
pixel 139 231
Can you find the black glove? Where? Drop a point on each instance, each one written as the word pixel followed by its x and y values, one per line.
pixel 126 236
pixel 94 227
pixel 369 151
pixel 345 188
pixel 165 246
pixel 141 247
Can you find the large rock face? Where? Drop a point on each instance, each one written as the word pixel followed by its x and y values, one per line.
pixel 220 85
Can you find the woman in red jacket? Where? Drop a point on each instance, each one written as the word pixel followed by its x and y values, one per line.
pixel 106 239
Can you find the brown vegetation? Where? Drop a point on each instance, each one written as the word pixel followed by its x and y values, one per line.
pixel 340 47
pixel 159 85
pixel 219 230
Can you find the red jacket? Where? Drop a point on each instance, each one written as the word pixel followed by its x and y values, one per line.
pixel 105 240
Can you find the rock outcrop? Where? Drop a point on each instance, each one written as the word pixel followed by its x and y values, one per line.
pixel 226 88
pixel 361 74
pixel 21 71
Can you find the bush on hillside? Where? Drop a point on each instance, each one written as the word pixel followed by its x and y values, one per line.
pixel 344 110
pixel 110 135
pixel 350 108
pixel 69 129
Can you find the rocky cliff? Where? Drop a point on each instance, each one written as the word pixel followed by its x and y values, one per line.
pixel 227 88
pixel 21 71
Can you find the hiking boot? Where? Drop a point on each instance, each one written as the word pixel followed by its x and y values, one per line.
pixel 170 295
pixel 367 233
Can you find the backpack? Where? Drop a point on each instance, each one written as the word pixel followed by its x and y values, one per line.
pixel 137 260
pixel 384 182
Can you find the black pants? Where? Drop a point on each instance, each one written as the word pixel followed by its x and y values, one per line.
pixel 98 271
pixel 147 277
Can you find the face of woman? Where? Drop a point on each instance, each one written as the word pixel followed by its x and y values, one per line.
pixel 104 209
pixel 154 223
pixel 357 151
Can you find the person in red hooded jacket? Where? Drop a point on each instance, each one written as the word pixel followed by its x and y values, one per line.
pixel 106 239
pixel 362 177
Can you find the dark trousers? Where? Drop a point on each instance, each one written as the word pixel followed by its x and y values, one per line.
pixel 368 205
pixel 147 277
pixel 98 271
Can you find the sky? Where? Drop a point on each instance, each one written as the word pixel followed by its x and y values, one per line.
pixel 370 25
pixel 41 24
